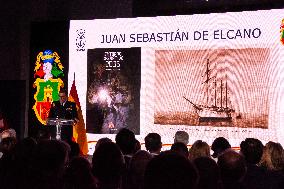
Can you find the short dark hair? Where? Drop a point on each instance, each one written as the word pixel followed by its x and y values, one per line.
pixel 170 170
pixel 108 163
pixel 219 145
pixel 63 91
pixel 232 166
pixel 126 141
pixel 153 142
pixel 180 148
pixel 252 150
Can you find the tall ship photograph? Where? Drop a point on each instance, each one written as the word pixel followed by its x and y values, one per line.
pixel 217 111
pixel 221 87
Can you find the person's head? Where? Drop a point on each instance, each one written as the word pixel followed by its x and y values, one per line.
pixel 62 96
pixel 219 145
pixel 8 133
pixel 273 156
pixel 180 148
pixel 101 141
pixel 108 164
pixel 126 141
pixel 232 166
pixel 25 150
pixel 153 142
pixel 51 156
pixel 199 149
pixel 137 166
pixel 170 170
pixel 209 173
pixel 79 174
pixel 181 136
pixel 252 150
pixel 7 145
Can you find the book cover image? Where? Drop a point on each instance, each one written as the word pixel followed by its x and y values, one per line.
pixel 113 90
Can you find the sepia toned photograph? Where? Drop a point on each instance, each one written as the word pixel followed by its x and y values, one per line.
pixel 219 87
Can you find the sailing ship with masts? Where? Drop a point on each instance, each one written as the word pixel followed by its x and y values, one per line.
pixel 218 110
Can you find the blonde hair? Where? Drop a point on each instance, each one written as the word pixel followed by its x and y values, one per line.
pixel 199 149
pixel 273 156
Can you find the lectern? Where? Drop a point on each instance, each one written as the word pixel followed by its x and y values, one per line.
pixel 60 129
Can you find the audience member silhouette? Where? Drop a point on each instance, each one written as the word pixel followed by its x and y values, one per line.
pixel 74 149
pixel 199 149
pixel 24 157
pixel 169 170
pixel 8 133
pixel 108 166
pixel 233 169
pixel 273 161
pixel 181 136
pixel 101 141
pixel 256 177
pixel 78 175
pixel 7 148
pixel 153 143
pixel 272 157
pixel 209 173
pixel 137 168
pixel 219 145
pixel 51 156
pixel 125 139
pixel 180 148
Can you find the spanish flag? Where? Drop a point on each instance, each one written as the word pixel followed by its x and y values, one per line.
pixel 79 131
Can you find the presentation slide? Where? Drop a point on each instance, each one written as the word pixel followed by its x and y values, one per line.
pixel 211 75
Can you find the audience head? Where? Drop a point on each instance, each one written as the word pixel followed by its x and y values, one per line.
pixel 79 175
pixel 8 133
pixel 170 170
pixel 209 173
pixel 181 136
pixel 7 146
pixel 232 166
pixel 101 141
pixel 108 164
pixel 51 156
pixel 153 143
pixel 137 168
pixel 25 150
pixel 180 148
pixel 43 134
pixel 273 156
pixel 74 149
pixel 125 139
pixel 219 145
pixel 199 149
pixel 252 150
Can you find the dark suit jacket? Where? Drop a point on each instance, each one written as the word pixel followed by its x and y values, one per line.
pixel 68 111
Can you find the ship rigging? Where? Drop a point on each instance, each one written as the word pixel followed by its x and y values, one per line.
pixel 218 111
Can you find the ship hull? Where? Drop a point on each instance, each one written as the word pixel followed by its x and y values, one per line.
pixel 215 119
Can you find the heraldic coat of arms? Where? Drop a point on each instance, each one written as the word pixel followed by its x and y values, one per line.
pixel 48 73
